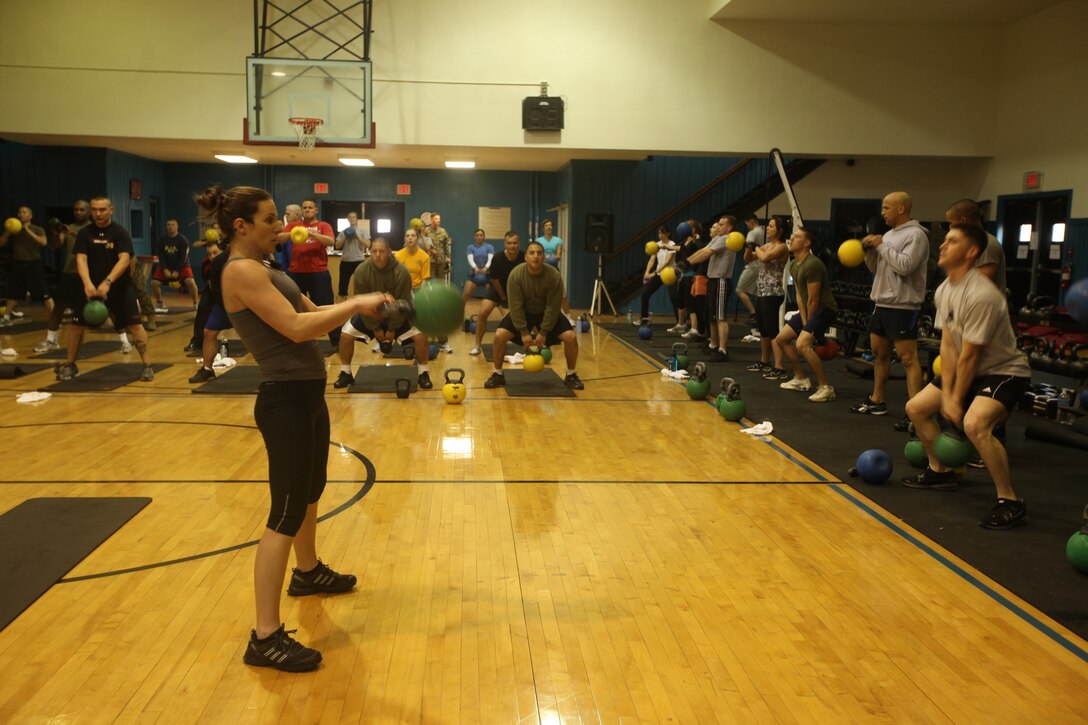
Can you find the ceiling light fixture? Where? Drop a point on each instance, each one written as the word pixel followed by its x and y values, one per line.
pixel 460 164
pixel 354 161
pixel 235 159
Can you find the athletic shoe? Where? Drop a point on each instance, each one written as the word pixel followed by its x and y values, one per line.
pixel 319 580
pixel 678 328
pixel 975 461
pixel 150 324
pixel 750 338
pixel 694 335
pixel 67 371
pixel 126 348
pixel 281 651
pixel 343 380
pixel 823 394
pixel 776 374
pixel 719 355
pixel 445 347
pixel 932 480
pixel 148 374
pixel 191 348
pixel 202 375
pixel 903 424
pixel 377 347
pixel 868 407
pixel 758 367
pixel 474 351
pixel 46 346
pixel 161 310
pixel 1005 514
pixel 573 382
pixel 497 380
pixel 18 315
pixel 797 384
pixel 424 380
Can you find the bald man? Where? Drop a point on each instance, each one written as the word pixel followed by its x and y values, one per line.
pixel 991 263
pixel 898 262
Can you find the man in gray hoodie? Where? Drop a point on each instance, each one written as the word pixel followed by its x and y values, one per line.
pixel 898 262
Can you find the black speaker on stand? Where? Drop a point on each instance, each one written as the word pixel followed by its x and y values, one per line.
pixel 599 242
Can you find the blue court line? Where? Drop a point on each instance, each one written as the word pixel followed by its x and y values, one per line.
pixel 964 574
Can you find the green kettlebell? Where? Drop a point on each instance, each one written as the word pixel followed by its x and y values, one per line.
pixel 915 453
pixel 730 406
pixel 679 356
pixel 698 386
pixel 1076 549
pixel 952 449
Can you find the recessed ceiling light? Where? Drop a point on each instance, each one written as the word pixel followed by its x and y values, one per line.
pixel 235 159
pixel 352 161
pixel 278 73
pixel 460 164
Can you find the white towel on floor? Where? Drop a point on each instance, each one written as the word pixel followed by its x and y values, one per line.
pixel 675 374
pixel 760 429
pixel 9 352
pixel 516 359
pixel 33 397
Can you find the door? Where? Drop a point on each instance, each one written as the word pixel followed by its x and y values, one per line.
pixel 1033 256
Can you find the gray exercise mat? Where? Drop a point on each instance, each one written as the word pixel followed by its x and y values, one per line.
pixel 89 348
pixel 544 384
pixel 8 371
pixel 239 380
pixel 103 379
pixel 383 378
pixel 42 539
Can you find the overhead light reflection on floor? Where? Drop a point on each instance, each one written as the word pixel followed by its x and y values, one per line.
pixel 457 446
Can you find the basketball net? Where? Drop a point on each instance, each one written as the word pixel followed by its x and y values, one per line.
pixel 306 130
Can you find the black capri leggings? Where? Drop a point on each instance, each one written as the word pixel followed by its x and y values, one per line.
pixel 294 422
pixel 652 286
pixel 767 314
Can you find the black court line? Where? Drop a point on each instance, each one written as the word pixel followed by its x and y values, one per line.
pixel 603 481
pixel 367 485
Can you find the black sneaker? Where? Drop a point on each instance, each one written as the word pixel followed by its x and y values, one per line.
pixel 67 371
pixel 191 347
pixel 758 367
pixel 203 375
pixel 903 425
pixel 975 461
pixel 343 380
pixel 281 651
pixel 319 580
pixel 719 355
pixel 932 480
pixel 868 407
pixel 1005 514
pixel 573 382
pixel 424 380
pixel 776 374
pixel 497 380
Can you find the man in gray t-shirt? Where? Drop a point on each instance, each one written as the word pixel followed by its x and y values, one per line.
pixel 992 260
pixel 746 284
pixel 719 274
pixel 983 375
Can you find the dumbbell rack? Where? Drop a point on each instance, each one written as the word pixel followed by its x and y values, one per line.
pixel 854 312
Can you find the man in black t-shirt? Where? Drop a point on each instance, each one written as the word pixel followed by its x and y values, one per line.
pixel 501 267
pixel 103 251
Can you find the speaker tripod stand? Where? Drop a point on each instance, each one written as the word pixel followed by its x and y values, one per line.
pixel 600 292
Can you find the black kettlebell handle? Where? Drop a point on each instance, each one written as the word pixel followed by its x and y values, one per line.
pixel 698 371
pixel 679 348
pixel 731 388
pixel 460 378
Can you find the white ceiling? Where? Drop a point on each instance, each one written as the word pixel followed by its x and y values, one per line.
pixel 924 12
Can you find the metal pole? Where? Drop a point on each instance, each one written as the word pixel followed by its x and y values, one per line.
pixel 1036 255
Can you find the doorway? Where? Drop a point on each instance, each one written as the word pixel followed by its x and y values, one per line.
pixel 380 218
pixel 1031 228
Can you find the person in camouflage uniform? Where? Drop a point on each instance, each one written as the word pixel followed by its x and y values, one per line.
pixel 439 245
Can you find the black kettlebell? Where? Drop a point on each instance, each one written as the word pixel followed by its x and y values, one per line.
pixel 409 352
pixel 403 387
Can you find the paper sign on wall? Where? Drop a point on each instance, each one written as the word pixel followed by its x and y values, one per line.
pixel 494 220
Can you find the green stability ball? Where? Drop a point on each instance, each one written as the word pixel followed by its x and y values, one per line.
pixel 916 453
pixel 1076 551
pixel 440 309
pixel 95 312
pixel 546 353
pixel 952 450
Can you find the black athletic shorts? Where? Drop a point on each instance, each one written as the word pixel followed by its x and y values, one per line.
pixel 347 269
pixel 717 294
pixel 894 324
pixel 817 324
pixel 121 302
pixel 562 324
pixel 1005 389
pixel 27 278
pixel 494 297
pixel 69 291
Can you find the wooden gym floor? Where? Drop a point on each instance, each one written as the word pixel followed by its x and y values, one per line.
pixel 625 556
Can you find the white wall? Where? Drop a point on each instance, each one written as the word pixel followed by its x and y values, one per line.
pixel 641 74
pixel 1041 109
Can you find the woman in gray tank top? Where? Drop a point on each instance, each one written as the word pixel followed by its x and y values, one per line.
pixel 279 326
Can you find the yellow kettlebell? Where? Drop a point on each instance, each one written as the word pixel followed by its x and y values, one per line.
pixel 454 391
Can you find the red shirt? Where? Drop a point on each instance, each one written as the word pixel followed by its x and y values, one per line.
pixel 310 256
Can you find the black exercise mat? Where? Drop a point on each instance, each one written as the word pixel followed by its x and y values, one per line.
pixel 103 379
pixel 239 380
pixel 8 371
pixel 383 378
pixel 42 539
pixel 544 384
pixel 1029 560
pixel 27 326
pixel 89 348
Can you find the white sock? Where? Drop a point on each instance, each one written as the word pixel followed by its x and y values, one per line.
pixel 51 335
pixel 345 369
pixel 422 368
pixel 123 338
pixel 571 372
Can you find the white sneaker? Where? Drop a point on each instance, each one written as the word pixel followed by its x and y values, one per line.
pixel 797 384
pixel 126 348
pixel 823 394
pixel 161 310
pixel 445 347
pixel 377 347
pixel 677 328
pixel 17 315
pixel 474 351
pixel 46 346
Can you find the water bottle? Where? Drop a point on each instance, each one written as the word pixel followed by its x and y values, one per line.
pixel 223 349
pixel 630 318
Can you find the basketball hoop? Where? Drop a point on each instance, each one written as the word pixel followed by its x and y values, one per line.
pixel 306 130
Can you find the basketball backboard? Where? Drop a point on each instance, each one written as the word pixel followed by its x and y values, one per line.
pixel 336 91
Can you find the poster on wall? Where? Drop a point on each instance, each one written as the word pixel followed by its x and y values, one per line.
pixel 494 220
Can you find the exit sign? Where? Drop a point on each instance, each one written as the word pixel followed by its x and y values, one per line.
pixel 404 189
pixel 1033 180
pixel 320 187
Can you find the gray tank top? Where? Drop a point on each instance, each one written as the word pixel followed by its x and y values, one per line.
pixel 277 356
